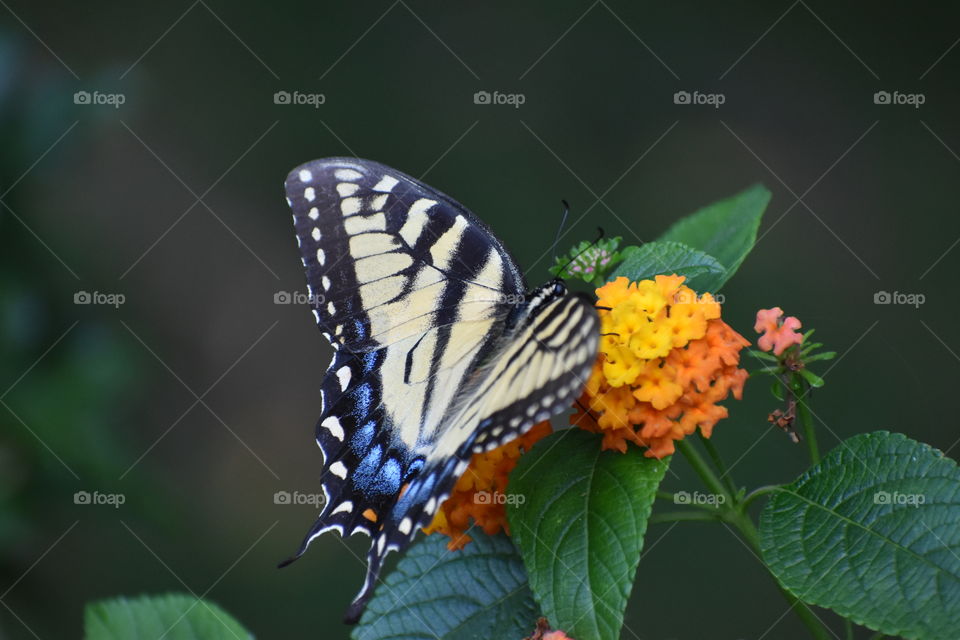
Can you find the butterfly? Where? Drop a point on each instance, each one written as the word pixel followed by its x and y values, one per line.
pixel 440 350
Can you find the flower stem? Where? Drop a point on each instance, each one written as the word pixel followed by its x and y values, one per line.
pixel 756 493
pixel 677 516
pixel 809 433
pixel 703 470
pixel 718 463
pixel 741 520
pixel 749 532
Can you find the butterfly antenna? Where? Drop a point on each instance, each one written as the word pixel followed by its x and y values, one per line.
pixel 599 237
pixel 563 223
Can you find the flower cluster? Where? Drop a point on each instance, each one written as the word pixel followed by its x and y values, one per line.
pixel 666 360
pixel 474 494
pixel 779 334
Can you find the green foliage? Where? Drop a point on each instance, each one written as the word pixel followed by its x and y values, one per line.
pixel 172 617
pixel 580 528
pixel 478 592
pixel 726 230
pixel 666 257
pixel 870 533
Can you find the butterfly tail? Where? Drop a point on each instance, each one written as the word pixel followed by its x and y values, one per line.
pixel 359 604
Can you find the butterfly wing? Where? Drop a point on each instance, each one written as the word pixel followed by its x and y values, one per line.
pixel 434 358
pixel 408 286
pixel 537 371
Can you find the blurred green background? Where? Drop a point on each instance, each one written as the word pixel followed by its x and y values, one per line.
pixel 196 398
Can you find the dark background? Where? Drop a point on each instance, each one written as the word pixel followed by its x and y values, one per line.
pixel 175 200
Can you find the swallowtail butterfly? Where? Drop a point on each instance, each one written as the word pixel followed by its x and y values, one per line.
pixel 440 351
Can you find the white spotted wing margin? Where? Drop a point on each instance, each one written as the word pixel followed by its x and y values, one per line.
pixel 438 351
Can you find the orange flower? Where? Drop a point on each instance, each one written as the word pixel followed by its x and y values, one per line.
pixel 475 494
pixel 778 334
pixel 665 360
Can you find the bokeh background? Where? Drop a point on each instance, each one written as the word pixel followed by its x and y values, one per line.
pixel 196 398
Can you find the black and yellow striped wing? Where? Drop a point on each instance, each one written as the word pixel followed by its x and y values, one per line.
pixel 439 350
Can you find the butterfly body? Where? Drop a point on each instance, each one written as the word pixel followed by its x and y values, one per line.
pixel 439 350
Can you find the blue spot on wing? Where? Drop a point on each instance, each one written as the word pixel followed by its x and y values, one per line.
pixel 369 361
pixel 362 398
pixel 361 440
pixel 388 480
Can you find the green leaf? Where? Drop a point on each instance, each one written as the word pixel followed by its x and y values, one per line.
pixel 812 379
pixel 776 388
pixel 580 528
pixel 871 532
pixel 477 592
pixel 658 257
pixel 726 230
pixel 171 616
pixel 763 355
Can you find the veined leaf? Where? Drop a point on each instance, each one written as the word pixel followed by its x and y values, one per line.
pixel 726 230
pixel 478 592
pixel 580 528
pixel 172 617
pixel 872 532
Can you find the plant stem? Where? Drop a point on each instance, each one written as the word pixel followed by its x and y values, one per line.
pixel 756 493
pixel 809 433
pixel 741 520
pixel 719 464
pixel 747 529
pixel 703 470
pixel 677 516
pixel 666 495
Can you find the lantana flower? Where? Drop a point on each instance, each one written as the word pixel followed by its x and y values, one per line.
pixel 476 492
pixel 666 359
pixel 778 334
